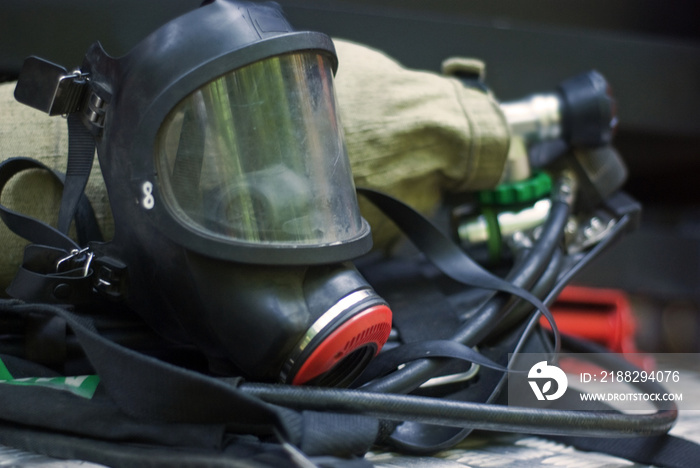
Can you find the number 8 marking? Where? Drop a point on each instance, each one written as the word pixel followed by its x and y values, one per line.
pixel 147 201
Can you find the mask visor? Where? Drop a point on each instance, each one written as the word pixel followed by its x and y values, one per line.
pixel 258 156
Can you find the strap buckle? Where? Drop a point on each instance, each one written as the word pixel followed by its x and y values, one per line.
pixel 51 88
pixel 74 259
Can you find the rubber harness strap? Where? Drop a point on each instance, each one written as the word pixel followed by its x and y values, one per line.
pixel 81 153
pixel 447 256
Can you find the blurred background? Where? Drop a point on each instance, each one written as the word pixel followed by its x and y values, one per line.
pixel 649 50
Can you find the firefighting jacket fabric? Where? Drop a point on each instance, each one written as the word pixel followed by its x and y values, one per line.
pixel 412 134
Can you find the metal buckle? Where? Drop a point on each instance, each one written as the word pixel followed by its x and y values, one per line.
pixel 51 88
pixel 75 257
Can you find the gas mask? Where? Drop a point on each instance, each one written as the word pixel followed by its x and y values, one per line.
pixel 235 213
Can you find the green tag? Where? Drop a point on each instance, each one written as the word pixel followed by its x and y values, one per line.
pixel 81 385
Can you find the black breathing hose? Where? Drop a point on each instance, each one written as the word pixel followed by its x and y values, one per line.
pixel 561 282
pixel 540 289
pixel 524 275
pixel 466 414
pixel 565 278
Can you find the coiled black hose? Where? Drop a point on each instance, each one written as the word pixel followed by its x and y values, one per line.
pixel 523 275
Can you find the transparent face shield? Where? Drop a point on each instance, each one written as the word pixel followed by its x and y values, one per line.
pixel 258 156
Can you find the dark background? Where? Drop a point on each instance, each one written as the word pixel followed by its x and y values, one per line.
pixel 648 50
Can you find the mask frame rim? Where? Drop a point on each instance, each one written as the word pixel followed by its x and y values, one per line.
pixel 144 177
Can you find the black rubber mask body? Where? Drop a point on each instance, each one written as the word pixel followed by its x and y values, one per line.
pixel 233 201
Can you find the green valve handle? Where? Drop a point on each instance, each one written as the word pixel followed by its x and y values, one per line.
pixel 512 193
pixel 507 209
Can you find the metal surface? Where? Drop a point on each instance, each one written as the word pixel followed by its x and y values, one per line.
pixel 506 450
pixel 19 458
pixel 535 118
pixel 476 230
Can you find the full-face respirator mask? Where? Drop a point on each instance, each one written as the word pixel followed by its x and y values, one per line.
pixel 237 233
pixel 235 212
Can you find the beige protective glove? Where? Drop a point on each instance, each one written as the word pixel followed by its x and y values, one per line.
pixel 415 134
pixel 412 134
